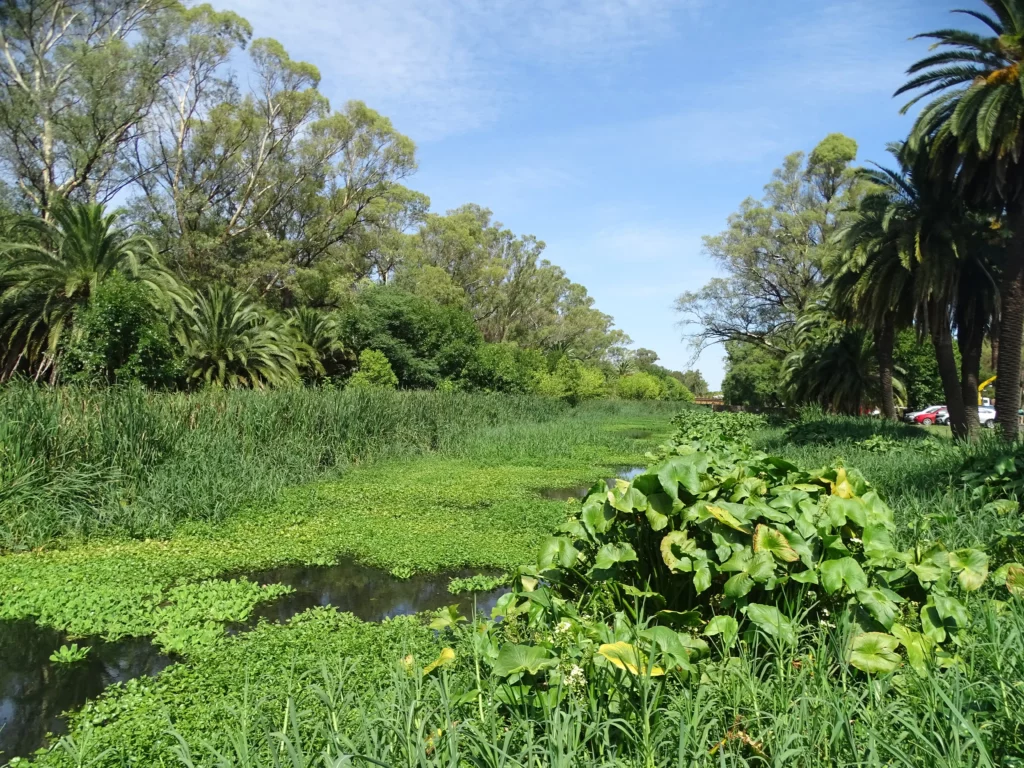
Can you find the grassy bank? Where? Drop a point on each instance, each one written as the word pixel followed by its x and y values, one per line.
pixel 81 463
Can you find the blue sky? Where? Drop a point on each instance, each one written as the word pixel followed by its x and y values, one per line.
pixel 618 131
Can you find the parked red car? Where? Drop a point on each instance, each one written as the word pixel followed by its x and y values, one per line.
pixel 926 416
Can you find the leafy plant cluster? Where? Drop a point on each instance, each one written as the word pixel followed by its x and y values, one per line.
pixel 478 583
pixel 702 424
pixel 719 541
pixel 69 654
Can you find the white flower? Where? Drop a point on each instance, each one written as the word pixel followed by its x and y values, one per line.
pixel 576 678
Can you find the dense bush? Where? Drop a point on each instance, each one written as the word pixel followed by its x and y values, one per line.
pixel 504 368
pixel 374 371
pixel 640 386
pixel 572 382
pixel 119 337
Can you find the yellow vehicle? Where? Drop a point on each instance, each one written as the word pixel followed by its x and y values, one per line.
pixel 985 385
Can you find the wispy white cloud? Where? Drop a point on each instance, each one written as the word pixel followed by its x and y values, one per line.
pixel 447 66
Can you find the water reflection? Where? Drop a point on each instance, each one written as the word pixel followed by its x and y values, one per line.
pixel 580 492
pixel 369 593
pixel 34 691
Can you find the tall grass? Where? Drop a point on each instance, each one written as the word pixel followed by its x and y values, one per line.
pixel 128 461
pixel 769 706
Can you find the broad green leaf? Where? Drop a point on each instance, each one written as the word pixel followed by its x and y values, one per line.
pixel 678 618
pixel 519 659
pixel 971 567
pixel 845 571
pixel 598 515
pixel 726 518
pixel 652 597
pixel 739 561
pixel 770 540
pixel 446 657
pixel 628 657
pixel 799 545
pixel 557 552
pixel 951 608
pixel 676 549
pixel 529 583
pixel 874 653
pixel 770 619
pixel 611 555
pixel 659 509
pixel 682 471
pixel 809 576
pixel 877 545
pixel 738 586
pixel 878 604
pixel 702 576
pixel 841 509
pixel 762 567
pixel 670 643
pixel 726 626
pixel 918 646
pixel 447 618
pixel 628 499
pixel 1000 573
pixel 932 624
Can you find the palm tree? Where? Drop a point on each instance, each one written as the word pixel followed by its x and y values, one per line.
pixel 915 253
pixel 974 131
pixel 230 341
pixel 320 333
pixel 53 268
pixel 835 367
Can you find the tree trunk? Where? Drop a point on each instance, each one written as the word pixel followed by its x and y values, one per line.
pixel 971 338
pixel 1011 331
pixel 884 341
pixel 942 338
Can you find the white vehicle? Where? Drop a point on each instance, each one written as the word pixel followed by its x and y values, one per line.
pixel 987 416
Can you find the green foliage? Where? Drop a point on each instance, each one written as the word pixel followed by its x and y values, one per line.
pixel 50 273
pixel 479 583
pixel 504 368
pixel 424 341
pixel 69 654
pixel 640 386
pixel 230 341
pixel 573 382
pixel 119 337
pixel 76 462
pixel 920 371
pixel 752 376
pixel 374 372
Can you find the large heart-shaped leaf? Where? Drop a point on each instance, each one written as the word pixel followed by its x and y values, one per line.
pixel 772 622
pixel 738 586
pixel 670 644
pixel 628 657
pixel 1015 580
pixel 971 567
pixel 726 626
pixel 611 555
pixel 598 515
pixel 628 499
pixel 880 605
pixel 682 471
pixel 676 549
pixel 726 517
pixel 918 646
pixel 678 618
pixel 845 571
pixel 557 552
pixel 770 540
pixel 523 659
pixel 659 509
pixel 878 545
pixel 873 652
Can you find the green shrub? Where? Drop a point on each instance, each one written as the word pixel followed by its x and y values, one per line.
pixel 374 371
pixel 504 368
pixel 676 390
pixel 641 386
pixel 573 382
pixel 119 337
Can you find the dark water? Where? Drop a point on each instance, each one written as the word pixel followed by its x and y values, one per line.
pixel 369 593
pixel 637 434
pixel 579 492
pixel 34 691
